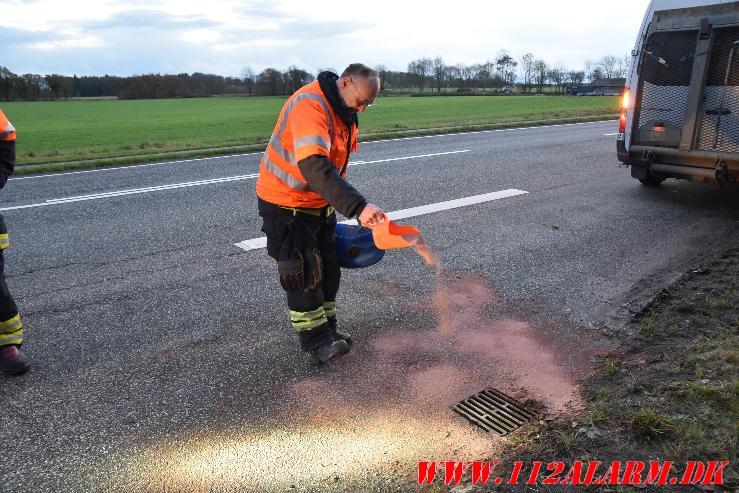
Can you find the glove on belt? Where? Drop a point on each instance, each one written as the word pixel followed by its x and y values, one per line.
pixel 300 267
pixel 302 273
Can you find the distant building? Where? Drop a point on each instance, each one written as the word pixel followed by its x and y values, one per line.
pixel 602 87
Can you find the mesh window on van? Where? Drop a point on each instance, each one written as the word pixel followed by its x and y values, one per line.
pixel 719 123
pixel 668 58
pixel 664 84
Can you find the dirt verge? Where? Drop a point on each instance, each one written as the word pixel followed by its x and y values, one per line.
pixel 669 392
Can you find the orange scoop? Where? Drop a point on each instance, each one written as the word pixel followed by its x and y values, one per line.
pixel 389 235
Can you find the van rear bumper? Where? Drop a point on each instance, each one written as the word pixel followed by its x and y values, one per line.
pixel 701 159
pixel 714 167
pixel 621 152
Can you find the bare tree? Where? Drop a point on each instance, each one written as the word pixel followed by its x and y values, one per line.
pixel 622 66
pixel 249 78
pixel 608 63
pixel 420 70
pixel 477 75
pixel 505 67
pixel 7 79
pixel 468 74
pixel 270 82
pixel 551 77
pixel 540 75
pixel 576 77
pixel 597 73
pixel 426 66
pixel 382 71
pixel 440 72
pixel 484 73
pixel 416 74
pixel 57 86
pixel 589 67
pixel 295 78
pixel 527 64
pixel 555 75
pixel 32 86
pixel 455 75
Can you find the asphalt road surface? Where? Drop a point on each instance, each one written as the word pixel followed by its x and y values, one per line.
pixel 162 355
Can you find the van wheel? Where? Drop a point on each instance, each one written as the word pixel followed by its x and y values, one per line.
pixel 652 181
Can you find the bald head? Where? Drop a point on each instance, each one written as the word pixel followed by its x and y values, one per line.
pixel 358 86
pixel 360 70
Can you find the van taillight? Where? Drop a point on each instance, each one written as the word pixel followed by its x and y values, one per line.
pixel 622 114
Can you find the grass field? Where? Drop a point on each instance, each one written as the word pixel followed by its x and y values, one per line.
pixel 53 132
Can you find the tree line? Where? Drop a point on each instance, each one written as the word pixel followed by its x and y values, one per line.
pixel 530 73
pixel 421 75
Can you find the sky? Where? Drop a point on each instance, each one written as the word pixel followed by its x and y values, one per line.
pixel 223 36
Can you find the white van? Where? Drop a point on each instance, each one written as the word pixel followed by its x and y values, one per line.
pixel 680 111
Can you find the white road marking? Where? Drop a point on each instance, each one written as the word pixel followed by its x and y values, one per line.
pixel 135 191
pixel 257 243
pixel 408 157
pixel 123 168
pixel 119 168
pixel 132 191
pixel 485 131
pixel 253 244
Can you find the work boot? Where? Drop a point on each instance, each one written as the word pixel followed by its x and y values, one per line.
pixel 330 350
pixel 338 335
pixel 342 336
pixel 13 361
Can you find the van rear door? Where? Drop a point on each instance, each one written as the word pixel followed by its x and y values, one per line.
pixel 718 129
pixel 686 112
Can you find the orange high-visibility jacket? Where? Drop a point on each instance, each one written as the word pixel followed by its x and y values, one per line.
pixel 7 131
pixel 307 126
pixel 7 164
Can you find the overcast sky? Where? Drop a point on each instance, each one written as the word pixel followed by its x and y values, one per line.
pixel 222 36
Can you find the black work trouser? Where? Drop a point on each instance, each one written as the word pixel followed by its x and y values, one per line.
pixel 312 312
pixel 11 327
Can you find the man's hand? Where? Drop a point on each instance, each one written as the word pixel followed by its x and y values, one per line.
pixel 371 215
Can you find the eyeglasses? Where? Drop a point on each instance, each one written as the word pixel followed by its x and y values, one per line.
pixel 366 102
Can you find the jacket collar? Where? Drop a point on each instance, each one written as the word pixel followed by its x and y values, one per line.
pixel 327 81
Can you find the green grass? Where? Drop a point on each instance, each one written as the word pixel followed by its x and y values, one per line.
pixel 647 324
pixel 610 366
pixel 721 302
pixel 651 424
pixel 54 132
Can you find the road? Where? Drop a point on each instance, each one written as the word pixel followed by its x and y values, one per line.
pixel 162 354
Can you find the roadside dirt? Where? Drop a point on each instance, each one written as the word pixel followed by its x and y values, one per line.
pixel 669 391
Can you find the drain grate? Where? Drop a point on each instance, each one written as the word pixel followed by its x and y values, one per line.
pixel 493 411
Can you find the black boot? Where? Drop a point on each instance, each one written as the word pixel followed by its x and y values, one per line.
pixel 332 349
pixel 338 335
pixel 13 361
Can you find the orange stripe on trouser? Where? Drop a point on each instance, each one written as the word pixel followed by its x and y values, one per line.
pixel 11 331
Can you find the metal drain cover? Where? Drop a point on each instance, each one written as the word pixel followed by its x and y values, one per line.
pixel 493 411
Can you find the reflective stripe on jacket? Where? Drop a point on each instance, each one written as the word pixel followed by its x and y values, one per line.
pixel 7 131
pixel 307 126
